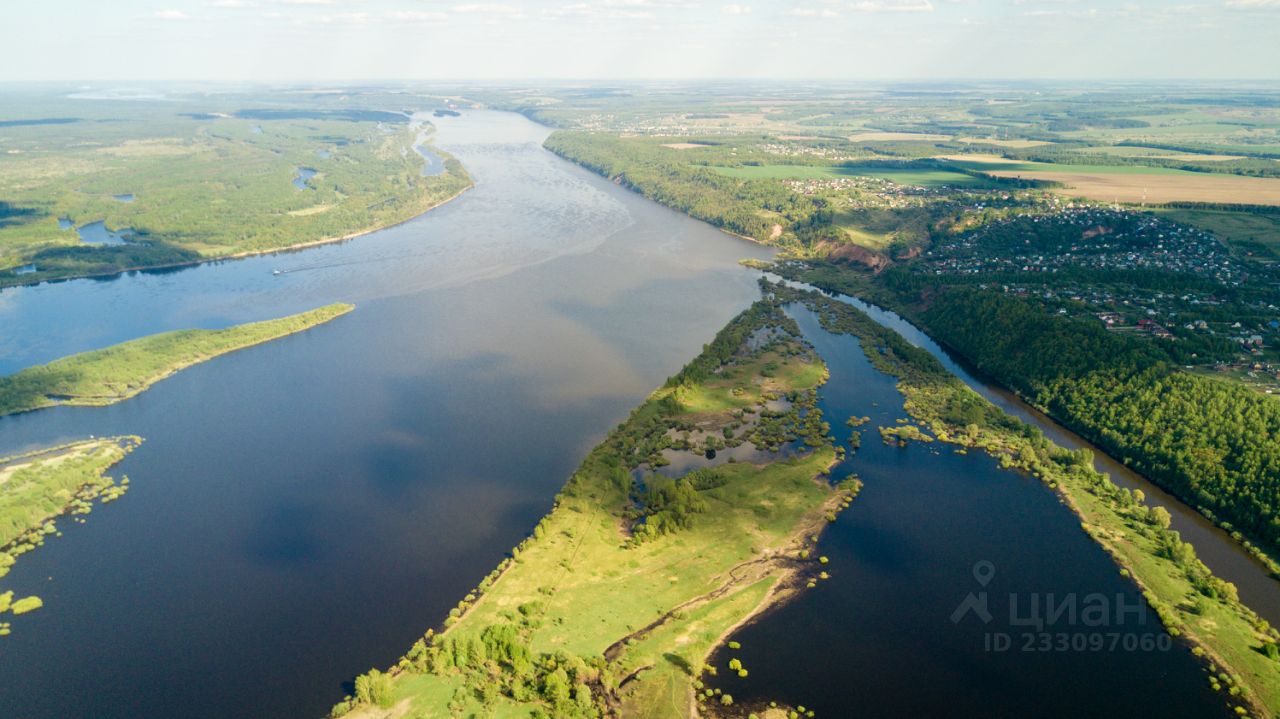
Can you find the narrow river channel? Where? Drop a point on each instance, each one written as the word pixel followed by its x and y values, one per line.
pixel 890 633
pixel 1258 589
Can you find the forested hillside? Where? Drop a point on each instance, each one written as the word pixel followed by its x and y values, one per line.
pixel 758 209
pixel 1214 443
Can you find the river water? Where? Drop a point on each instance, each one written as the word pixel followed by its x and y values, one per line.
pixel 1258 589
pixel 303 510
pixel 889 633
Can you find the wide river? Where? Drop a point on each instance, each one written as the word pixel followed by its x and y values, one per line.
pixel 303 510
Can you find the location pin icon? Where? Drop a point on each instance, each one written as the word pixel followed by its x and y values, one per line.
pixel 983 571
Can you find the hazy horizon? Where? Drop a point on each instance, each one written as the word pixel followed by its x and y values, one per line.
pixel 570 40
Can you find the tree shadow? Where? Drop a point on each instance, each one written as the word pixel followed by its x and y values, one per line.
pixel 679 662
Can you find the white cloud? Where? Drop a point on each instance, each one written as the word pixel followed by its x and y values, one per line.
pixel 170 15
pixel 597 10
pixel 1253 4
pixel 812 12
pixel 416 16
pixel 492 9
pixel 650 3
pixel 892 6
pixel 345 18
pixel 232 3
pixel 736 9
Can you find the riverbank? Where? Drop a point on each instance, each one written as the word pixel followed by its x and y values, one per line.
pixel 622 591
pixel 1192 603
pixel 37 279
pixel 39 486
pixel 110 375
pixel 1259 565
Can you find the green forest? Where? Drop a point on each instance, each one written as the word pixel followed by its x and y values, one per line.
pixel 1215 444
pixel 759 209
pixel 202 185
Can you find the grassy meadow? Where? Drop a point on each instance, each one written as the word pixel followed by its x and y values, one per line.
pixel 1252 233
pixel 106 376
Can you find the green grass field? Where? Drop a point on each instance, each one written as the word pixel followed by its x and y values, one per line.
pixel 1253 233
pixel 922 177
pixel 745 386
pixel 109 375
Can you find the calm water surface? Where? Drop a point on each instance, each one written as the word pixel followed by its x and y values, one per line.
pixel 1259 590
pixel 304 174
pixel 302 510
pixel 878 638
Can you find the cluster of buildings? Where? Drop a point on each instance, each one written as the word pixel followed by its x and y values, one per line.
pixel 860 192
pixel 1088 237
pixel 831 154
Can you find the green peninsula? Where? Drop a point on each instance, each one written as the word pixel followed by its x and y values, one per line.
pixel 106 376
pixel 616 600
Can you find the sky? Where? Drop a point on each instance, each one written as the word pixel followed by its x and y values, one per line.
pixel 344 40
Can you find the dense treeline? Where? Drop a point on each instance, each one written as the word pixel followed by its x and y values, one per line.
pixel 753 208
pixel 1202 149
pixel 1189 600
pixel 1249 166
pixel 61 262
pixel 1215 444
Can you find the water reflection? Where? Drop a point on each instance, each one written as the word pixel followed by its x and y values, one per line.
pixel 303 509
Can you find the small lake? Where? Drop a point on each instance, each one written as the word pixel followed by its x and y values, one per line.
pixel 65 223
pixel 128 197
pixel 930 528
pixel 304 174
pixel 96 233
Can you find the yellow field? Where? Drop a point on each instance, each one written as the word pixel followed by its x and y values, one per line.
pixel 1158 189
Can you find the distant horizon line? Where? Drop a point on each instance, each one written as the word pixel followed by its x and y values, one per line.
pixel 655 79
